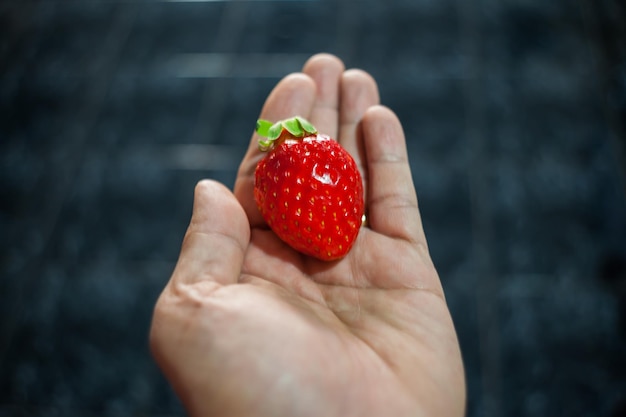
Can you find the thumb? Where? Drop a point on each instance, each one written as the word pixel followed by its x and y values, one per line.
pixel 216 239
pixel 211 256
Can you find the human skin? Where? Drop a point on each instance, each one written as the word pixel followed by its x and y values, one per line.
pixel 246 326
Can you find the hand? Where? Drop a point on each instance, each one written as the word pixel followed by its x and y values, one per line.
pixel 249 327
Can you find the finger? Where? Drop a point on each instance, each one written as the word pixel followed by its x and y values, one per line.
pixel 359 92
pixel 326 71
pixel 216 239
pixel 392 201
pixel 293 95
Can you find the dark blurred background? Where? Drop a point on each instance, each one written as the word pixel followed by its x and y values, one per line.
pixel 515 110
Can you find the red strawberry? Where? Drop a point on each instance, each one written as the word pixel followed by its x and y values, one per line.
pixel 308 189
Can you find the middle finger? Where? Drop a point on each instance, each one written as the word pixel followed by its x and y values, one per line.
pixel 326 71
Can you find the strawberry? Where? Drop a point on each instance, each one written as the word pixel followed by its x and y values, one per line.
pixel 308 189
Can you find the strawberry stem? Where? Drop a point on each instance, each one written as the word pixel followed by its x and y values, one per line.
pixel 297 127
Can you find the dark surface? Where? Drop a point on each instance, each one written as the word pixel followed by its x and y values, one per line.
pixel 514 112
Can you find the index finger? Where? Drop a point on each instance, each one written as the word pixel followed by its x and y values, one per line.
pixel 293 95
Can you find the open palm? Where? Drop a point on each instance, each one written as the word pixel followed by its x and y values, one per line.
pixel 249 327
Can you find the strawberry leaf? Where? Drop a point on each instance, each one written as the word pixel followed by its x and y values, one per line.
pixel 306 126
pixel 265 145
pixel 275 131
pixel 296 126
pixel 263 127
pixel 293 126
pixel 266 129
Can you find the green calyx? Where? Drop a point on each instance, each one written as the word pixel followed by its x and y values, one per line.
pixel 297 127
